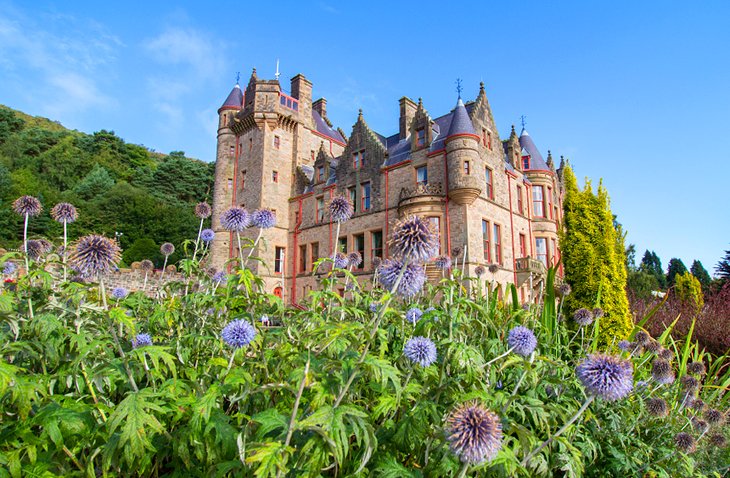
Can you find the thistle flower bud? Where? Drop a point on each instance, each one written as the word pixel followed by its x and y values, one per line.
pixel 263 219
pixel 414 239
pixel 94 255
pixel 207 235
pixel 474 433
pixel 203 210
pixel 522 341
pixel 146 265
pixel 354 259
pixel 606 376
pixel 27 206
pixel 657 407
pixel 167 249
pixel 685 442
pixel 583 317
pixel 479 270
pixel 442 263
pixel 64 212
pixel 235 219
pixel 413 315
pixel 238 333
pixel 696 368
pixel 141 340
pixel 420 350
pixel 340 209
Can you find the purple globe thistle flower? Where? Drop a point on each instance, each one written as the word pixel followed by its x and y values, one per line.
pixel 522 341
pixel 685 442
pixel 642 337
pixel 35 249
pixel 597 313
pixel 700 425
pixel 625 345
pixel 45 245
pixel 697 405
pixel 64 212
pixel 203 210
pixel 374 306
pixel 718 440
pixel 696 368
pixel 220 278
pixel 141 340
pixel 93 255
pixel 340 209
pixel 414 276
pixel 167 249
pixel 583 317
pixel 666 354
pixel 474 433
pixel 414 239
pixel 146 265
pixel 9 268
pixel 263 219
pixel 340 260
pixel 714 416
pixel 377 261
pixel 119 293
pixel 653 346
pixel 493 268
pixel 689 383
pixel 430 309
pixel 442 263
pixel 456 251
pixel 479 271
pixel 207 235
pixel 657 407
pixel 238 333
pixel 354 259
pixel 606 376
pixel 27 206
pixel 661 371
pixel 235 219
pixel 564 289
pixel 420 350
pixel 413 315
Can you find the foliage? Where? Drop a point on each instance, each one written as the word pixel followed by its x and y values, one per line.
pixel 689 290
pixel 641 284
pixel 593 255
pixel 723 268
pixel 675 268
pixel 699 271
pixel 651 264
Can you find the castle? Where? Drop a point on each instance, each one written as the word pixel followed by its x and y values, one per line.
pixel 497 201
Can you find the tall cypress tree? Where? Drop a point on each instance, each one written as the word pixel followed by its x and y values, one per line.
pixel 699 271
pixel 593 253
pixel 675 268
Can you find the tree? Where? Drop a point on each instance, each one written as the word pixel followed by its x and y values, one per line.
pixel 97 182
pixel 651 264
pixel 689 290
pixel 641 284
pixel 142 249
pixel 723 268
pixel 699 271
pixel 675 267
pixel 631 257
pixel 593 253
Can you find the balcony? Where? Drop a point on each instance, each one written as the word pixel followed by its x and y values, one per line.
pixel 422 197
pixel 528 268
pixel 464 189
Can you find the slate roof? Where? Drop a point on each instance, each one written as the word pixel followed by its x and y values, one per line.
pixel 460 122
pixel 529 148
pixel 323 128
pixel 234 100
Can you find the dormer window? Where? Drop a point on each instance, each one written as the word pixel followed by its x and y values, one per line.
pixel 422 175
pixel 320 174
pixel 358 159
pixel 525 162
pixel 421 137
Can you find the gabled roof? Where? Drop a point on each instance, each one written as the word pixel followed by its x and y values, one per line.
pixel 529 148
pixel 324 129
pixel 460 123
pixel 234 100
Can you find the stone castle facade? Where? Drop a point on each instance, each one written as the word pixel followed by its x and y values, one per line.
pixel 497 201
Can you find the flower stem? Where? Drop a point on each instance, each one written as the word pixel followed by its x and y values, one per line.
pixel 65 251
pixel 509 351
pixel 463 470
pixel 197 240
pixel 255 243
pixel 240 250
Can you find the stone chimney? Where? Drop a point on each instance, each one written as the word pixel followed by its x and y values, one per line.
pixel 320 106
pixel 407 112
pixel 301 89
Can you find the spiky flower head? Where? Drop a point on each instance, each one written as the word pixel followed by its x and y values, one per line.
pixel 696 368
pixel 340 209
pixel 606 376
pixel 700 425
pixel 697 405
pixel 238 333
pixel 661 371
pixel 119 293
pixel 263 219
pixel 642 337
pixel 377 261
pixel 689 383
pixel 414 239
pixel 666 354
pixel 93 255
pixel 9 268
pixel 34 248
pixel 564 289
pixel 456 251
pixel 414 276
pixel 207 235
pixel 714 416
pixel 220 277
pixel 657 407
pixel 653 346
pixel 413 315
pixel 493 268
pixel 235 219
pixel 420 350
pixel 522 340
pixel 718 440
pixel 141 340
pixel 340 260
pixel 479 271
pixel 45 245
pixel 354 259
pixel 374 306
pixel 27 206
pixel 597 313
pixel 685 442
pixel 203 210
pixel 442 263
pixel 64 212
pixel 583 317
pixel 625 345
pixel 146 265
pixel 167 249
pixel 474 433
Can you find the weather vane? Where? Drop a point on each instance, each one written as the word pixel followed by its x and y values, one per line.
pixel 458 87
pixel 238 76
pixel 523 118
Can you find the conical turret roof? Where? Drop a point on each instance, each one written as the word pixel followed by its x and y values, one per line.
pixel 529 149
pixel 460 122
pixel 234 100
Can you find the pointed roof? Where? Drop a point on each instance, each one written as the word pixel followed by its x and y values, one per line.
pixel 234 100
pixel 460 123
pixel 529 149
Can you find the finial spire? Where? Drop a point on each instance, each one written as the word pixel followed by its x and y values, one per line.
pixel 523 119
pixel 238 76
pixel 276 75
pixel 458 87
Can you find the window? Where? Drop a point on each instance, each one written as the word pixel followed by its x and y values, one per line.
pixel 243 179
pixel 353 198
pixel 311 154
pixel 320 174
pixel 422 175
pixel 485 240
pixel 549 202
pixel 360 247
pixel 250 144
pixel 421 137
pixel 520 206
pixel 320 209
pixel 342 244
pixel 358 159
pixel 523 246
pixel 279 260
pixel 302 258
pixel 537 201
pixel 541 246
pixel 233 150
pixel 230 183
pixel 314 253
pixel 275 176
pixel 497 244
pixel 365 196
pixel 553 252
pixel 490 185
pixel 484 136
pixel 277 142
pixel 376 244
pixel 467 168
pixel 525 162
pixel 436 225
pixel 489 140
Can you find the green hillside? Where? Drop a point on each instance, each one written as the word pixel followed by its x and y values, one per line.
pixel 116 186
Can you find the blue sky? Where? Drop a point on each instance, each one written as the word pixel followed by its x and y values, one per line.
pixel 635 93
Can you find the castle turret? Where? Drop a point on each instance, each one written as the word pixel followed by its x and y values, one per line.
pixel 462 153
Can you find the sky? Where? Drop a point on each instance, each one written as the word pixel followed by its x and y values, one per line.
pixel 636 94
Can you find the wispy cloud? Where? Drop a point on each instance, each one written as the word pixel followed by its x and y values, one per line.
pixel 187 47
pixel 327 7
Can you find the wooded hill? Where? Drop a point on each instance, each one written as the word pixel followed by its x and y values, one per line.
pixel 116 186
